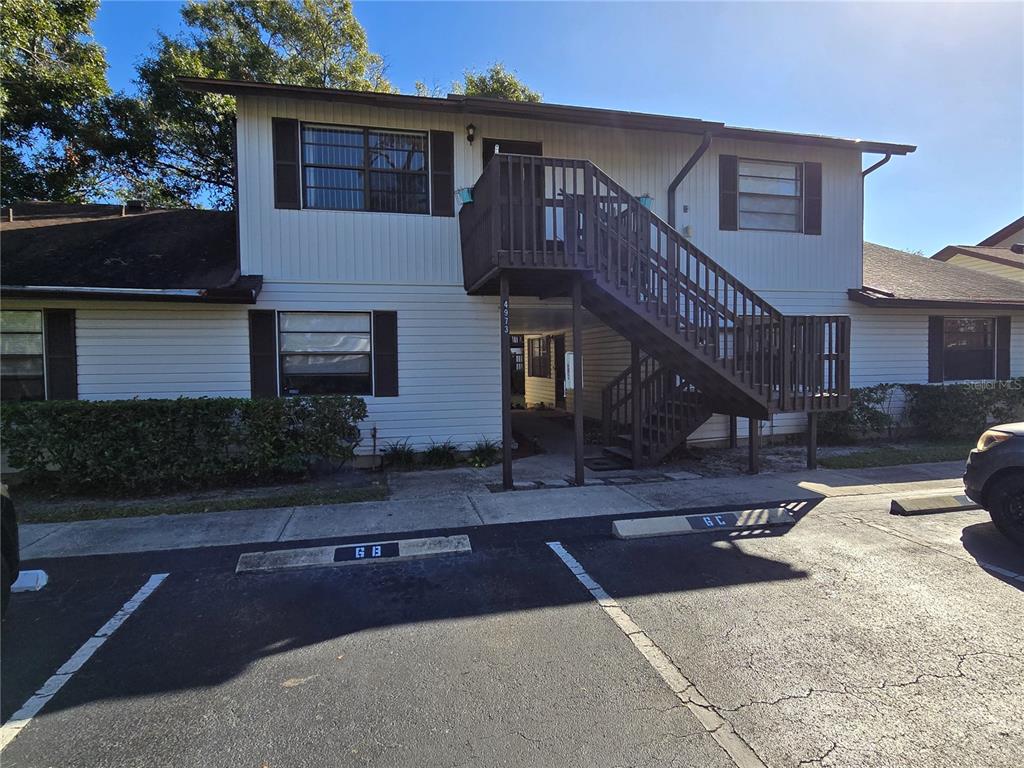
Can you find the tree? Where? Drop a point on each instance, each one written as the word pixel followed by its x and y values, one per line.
pixel 496 82
pixel 52 82
pixel 178 144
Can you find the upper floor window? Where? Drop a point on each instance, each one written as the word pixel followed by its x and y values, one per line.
pixel 361 169
pixel 770 195
pixel 21 355
pixel 325 353
pixel 969 348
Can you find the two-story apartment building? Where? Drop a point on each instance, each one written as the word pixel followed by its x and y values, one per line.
pixel 389 246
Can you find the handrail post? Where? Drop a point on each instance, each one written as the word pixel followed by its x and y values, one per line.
pixel 589 217
pixel 784 349
pixel 635 397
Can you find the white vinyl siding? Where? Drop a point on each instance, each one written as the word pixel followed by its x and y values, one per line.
pixel 449 351
pixel 354 246
pixel 157 350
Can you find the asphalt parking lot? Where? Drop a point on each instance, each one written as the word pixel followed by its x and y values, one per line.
pixel 850 639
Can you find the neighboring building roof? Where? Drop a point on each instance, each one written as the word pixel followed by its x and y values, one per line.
pixel 55 250
pixel 1011 228
pixel 1005 256
pixel 479 105
pixel 895 278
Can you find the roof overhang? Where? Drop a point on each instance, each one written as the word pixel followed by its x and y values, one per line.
pixel 244 291
pixel 478 105
pixel 875 298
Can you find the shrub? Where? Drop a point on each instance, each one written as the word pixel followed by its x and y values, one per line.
pixel 962 410
pixel 399 454
pixel 142 446
pixel 444 454
pixel 870 413
pixel 484 453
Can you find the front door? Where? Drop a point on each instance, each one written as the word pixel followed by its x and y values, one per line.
pixel 511 147
pixel 560 371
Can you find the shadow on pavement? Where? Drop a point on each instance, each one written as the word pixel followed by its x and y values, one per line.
pixel 989 548
pixel 206 625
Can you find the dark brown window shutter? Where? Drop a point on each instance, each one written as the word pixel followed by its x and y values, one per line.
pixel 936 347
pixel 385 354
pixel 263 352
pixel 286 163
pixel 728 192
pixel 61 354
pixel 442 173
pixel 1002 348
pixel 812 198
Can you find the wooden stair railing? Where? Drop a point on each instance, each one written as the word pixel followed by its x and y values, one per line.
pixel 671 409
pixel 542 213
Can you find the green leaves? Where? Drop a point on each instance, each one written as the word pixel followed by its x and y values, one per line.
pixel 496 82
pixel 177 144
pixel 52 83
pixel 141 446
pixel 924 410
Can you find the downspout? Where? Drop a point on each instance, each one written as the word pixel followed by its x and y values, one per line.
pixel 876 166
pixel 697 155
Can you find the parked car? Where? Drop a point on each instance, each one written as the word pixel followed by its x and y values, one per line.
pixel 8 544
pixel 995 477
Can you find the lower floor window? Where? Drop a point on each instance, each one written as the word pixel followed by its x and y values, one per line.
pixel 21 355
pixel 538 358
pixel 325 353
pixel 969 348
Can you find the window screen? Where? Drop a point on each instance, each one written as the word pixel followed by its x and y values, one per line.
pixel 358 169
pixel 325 353
pixel 969 348
pixel 769 195
pixel 21 355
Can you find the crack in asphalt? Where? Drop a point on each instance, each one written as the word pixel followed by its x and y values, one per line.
pixel 820 759
pixel 854 689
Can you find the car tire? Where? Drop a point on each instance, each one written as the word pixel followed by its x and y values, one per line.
pixel 1006 505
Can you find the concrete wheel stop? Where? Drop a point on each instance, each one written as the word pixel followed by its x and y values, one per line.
pixel 929 505
pixel 677 525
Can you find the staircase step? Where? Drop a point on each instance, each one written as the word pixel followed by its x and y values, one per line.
pixel 622 453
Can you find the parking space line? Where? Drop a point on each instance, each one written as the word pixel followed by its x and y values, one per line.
pixel 38 700
pixel 720 729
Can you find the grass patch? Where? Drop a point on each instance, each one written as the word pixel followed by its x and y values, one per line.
pixel 892 455
pixel 37 508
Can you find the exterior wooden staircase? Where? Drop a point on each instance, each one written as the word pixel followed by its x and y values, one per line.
pixel 713 345
pixel 670 408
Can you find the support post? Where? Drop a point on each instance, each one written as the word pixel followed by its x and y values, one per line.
pixel 754 445
pixel 506 385
pixel 812 440
pixel 733 439
pixel 634 393
pixel 577 373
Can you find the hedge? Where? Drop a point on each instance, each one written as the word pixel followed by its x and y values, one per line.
pixel 930 411
pixel 145 446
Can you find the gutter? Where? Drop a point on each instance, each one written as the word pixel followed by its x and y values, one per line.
pixel 245 293
pixel 876 166
pixel 872 298
pixel 697 155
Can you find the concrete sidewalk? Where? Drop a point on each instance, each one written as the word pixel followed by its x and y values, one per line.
pixel 427 504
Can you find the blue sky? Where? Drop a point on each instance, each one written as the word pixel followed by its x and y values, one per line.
pixel 947 77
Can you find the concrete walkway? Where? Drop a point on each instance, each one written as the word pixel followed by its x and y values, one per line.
pixel 459 499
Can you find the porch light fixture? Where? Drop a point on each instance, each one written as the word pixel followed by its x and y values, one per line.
pixel 646 201
pixel 470 133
